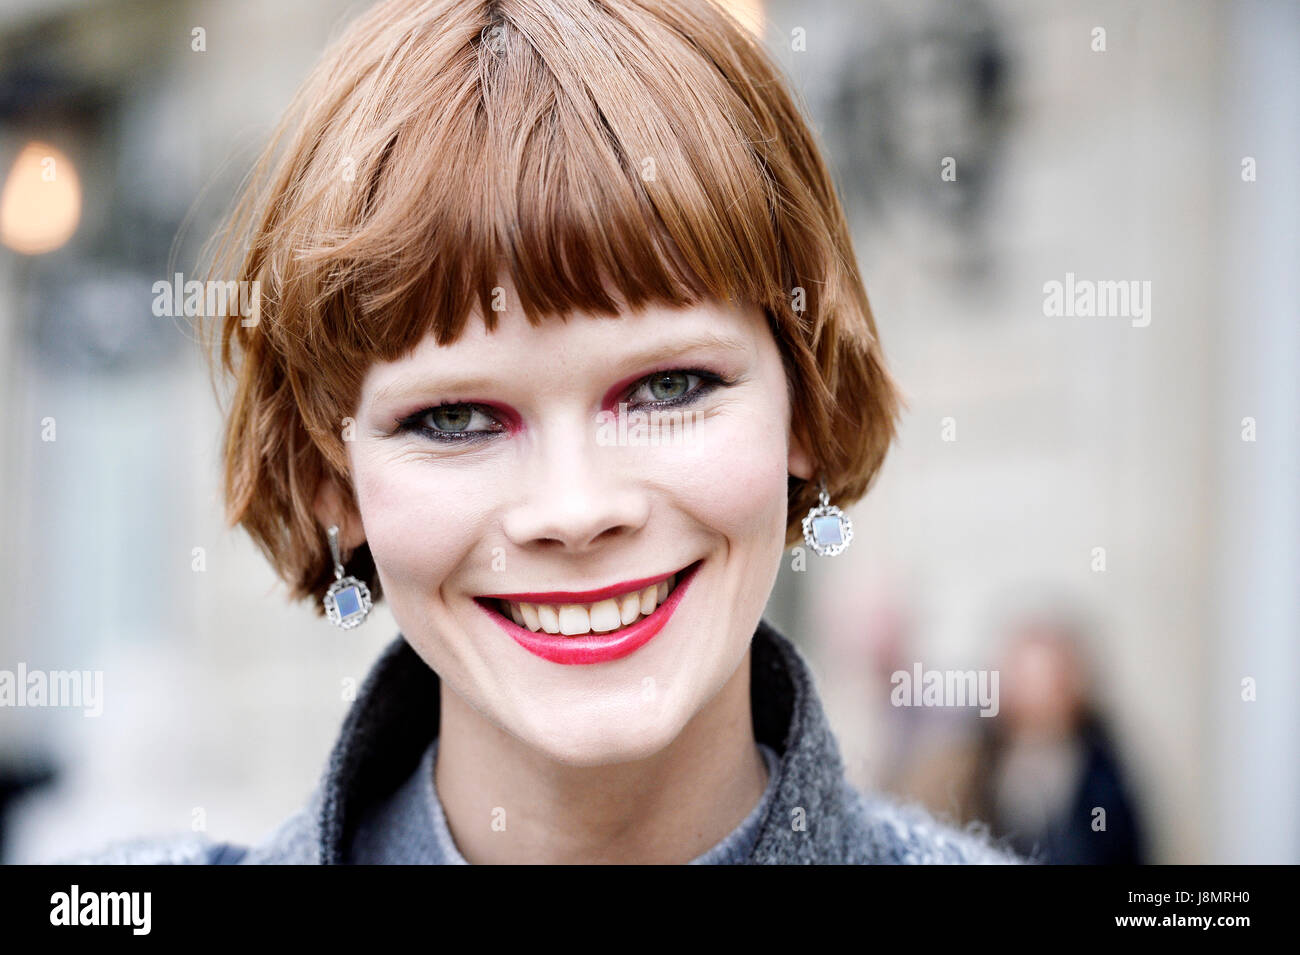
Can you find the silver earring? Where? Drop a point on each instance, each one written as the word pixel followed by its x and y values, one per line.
pixel 827 529
pixel 347 602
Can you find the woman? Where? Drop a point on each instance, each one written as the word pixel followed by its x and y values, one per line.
pixel 560 345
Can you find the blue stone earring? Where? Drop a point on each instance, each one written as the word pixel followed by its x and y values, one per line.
pixel 347 602
pixel 827 529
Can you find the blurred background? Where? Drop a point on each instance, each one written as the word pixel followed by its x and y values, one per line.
pixel 1100 509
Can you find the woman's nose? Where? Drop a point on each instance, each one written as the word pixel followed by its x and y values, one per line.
pixel 575 492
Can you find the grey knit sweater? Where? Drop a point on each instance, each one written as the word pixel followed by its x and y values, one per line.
pixel 811 814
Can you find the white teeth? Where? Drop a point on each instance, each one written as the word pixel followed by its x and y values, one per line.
pixel 629 607
pixel 549 619
pixel 602 616
pixel 574 620
pixel 605 616
pixel 530 617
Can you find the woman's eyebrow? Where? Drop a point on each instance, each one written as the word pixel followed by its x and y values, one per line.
pixel 419 385
pixel 664 352
pixel 679 346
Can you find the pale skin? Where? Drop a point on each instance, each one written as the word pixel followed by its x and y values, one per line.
pixel 648 758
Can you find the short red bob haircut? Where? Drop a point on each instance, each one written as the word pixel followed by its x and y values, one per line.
pixel 598 154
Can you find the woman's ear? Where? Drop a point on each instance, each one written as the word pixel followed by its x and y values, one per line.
pixel 800 461
pixel 333 507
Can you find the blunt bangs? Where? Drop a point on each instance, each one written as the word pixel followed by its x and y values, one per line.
pixel 594 156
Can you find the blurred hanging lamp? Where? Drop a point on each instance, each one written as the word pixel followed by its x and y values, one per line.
pixel 40 206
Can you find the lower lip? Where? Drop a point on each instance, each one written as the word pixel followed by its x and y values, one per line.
pixel 595 647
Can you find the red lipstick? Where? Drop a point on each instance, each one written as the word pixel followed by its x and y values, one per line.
pixel 579 596
pixel 591 647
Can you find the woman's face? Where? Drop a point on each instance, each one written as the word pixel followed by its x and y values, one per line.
pixel 499 465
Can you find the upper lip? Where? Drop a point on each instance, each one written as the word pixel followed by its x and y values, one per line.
pixel 583 596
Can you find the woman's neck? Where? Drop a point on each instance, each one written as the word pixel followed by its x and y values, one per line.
pixel 506 803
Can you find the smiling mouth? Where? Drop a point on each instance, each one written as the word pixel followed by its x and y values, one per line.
pixel 606 616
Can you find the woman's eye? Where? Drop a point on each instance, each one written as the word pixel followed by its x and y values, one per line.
pixel 468 422
pixel 670 385
pixel 451 417
pixel 456 422
pixel 673 387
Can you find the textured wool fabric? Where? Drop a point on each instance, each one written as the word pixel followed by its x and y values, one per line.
pixel 811 814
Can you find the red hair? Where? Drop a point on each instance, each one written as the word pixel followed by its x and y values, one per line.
pixel 597 153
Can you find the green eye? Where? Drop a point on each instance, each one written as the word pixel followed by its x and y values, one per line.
pixel 675 387
pixel 669 385
pixel 451 417
pixel 451 422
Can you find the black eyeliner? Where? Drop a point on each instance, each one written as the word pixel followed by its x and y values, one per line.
pixel 710 382
pixel 714 380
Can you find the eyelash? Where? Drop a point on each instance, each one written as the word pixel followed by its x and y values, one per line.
pixel 709 381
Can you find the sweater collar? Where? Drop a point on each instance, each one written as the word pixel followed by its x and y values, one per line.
pixel 390 724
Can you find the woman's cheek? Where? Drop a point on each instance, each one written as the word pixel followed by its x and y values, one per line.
pixel 729 474
pixel 417 521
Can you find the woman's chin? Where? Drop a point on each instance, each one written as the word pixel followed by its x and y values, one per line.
pixel 626 738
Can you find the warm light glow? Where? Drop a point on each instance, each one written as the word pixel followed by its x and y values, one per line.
pixel 41 203
pixel 748 12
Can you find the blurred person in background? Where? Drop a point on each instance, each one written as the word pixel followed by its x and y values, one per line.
pixel 1045 772
pixel 1049 776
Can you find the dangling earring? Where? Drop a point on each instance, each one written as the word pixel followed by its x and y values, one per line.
pixel 347 602
pixel 827 529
